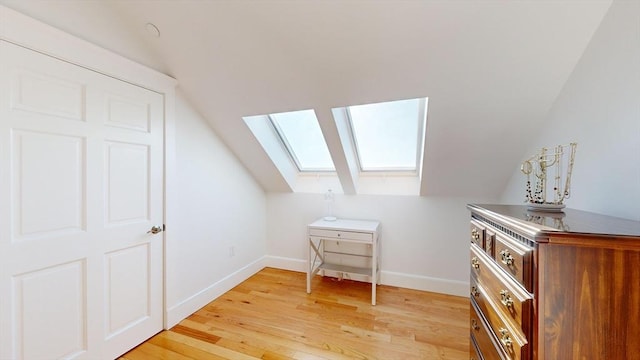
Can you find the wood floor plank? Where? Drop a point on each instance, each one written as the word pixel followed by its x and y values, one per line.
pixel 268 355
pixel 303 345
pixel 270 316
pixel 271 349
pixel 182 348
pixel 195 333
pixel 147 350
pixel 206 347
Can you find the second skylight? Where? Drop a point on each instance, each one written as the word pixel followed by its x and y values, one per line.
pixel 388 136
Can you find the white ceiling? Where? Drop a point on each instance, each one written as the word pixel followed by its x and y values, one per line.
pixel 491 69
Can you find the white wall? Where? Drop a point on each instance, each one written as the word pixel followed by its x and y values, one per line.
pixel 424 243
pixel 217 205
pixel 599 108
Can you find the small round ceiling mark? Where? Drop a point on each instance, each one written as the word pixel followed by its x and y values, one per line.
pixel 152 30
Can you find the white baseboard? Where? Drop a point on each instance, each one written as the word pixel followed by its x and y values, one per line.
pixel 425 283
pixel 284 263
pixel 409 281
pixel 180 311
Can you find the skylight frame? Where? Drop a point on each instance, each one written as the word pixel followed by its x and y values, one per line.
pixel 292 154
pixel 420 139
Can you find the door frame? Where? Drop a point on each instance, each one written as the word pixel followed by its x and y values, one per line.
pixel 27 32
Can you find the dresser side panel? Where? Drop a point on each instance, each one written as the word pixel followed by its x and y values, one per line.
pixel 589 301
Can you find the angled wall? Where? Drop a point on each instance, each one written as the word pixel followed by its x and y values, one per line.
pixel 599 108
pixel 218 222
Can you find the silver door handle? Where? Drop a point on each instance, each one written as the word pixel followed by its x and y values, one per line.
pixel 155 229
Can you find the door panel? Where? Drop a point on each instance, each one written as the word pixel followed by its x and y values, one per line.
pixel 34 292
pixel 127 113
pixel 80 277
pixel 57 205
pixel 45 94
pixel 128 288
pixel 127 183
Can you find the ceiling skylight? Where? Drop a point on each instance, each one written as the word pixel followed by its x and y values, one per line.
pixel 388 136
pixel 300 133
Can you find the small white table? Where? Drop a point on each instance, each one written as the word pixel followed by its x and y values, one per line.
pixel 350 232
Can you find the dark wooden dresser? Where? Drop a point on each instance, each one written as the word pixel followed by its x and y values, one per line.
pixel 553 285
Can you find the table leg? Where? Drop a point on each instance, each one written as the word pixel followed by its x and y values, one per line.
pixel 309 268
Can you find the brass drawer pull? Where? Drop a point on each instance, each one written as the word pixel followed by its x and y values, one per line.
pixel 475 235
pixel 505 298
pixel 474 291
pixel 505 339
pixel 474 325
pixel 475 263
pixel 506 257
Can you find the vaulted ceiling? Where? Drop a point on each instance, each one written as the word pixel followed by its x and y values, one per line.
pixel 491 69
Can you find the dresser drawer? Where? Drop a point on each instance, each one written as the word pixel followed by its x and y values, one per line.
pixel 487 346
pixel 510 339
pixel 515 259
pixel 477 233
pixel 344 235
pixel 512 301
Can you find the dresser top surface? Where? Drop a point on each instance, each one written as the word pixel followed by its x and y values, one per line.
pixel 568 221
pixel 346 225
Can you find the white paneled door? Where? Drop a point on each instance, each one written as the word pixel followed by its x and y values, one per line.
pixel 80 187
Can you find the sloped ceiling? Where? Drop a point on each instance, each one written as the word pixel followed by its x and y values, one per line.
pixel 491 69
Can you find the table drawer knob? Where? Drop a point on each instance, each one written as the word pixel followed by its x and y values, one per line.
pixel 474 291
pixel 475 263
pixel 506 257
pixel 505 298
pixel 474 325
pixel 475 235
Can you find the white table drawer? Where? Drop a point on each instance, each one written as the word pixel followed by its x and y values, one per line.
pixel 345 235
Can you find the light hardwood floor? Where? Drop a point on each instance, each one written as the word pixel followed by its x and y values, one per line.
pixel 270 316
